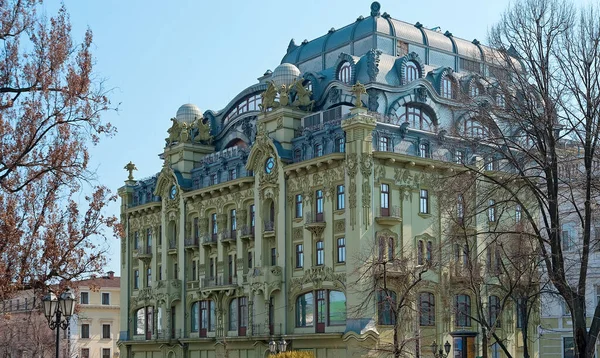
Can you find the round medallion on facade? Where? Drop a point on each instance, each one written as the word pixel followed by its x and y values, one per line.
pixel 188 113
pixel 285 74
pixel 173 192
pixel 269 165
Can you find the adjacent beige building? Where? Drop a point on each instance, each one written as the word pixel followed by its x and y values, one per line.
pixel 95 326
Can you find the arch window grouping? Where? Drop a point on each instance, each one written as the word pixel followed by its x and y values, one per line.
pixel 474 129
pixel 416 117
pixel 345 73
pixel 246 105
pixel 327 306
pixel 203 317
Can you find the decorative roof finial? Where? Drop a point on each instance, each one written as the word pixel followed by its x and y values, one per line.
pixel 130 167
pixel 357 90
pixel 375 6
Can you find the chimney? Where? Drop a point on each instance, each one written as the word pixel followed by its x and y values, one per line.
pixel 111 274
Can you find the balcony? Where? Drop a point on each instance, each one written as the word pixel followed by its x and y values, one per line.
pixel 315 223
pixel 209 240
pixel 172 247
pixel 219 283
pixel 193 285
pixel 391 269
pixel 229 237
pixel 269 228
pixel 389 216
pixel 145 254
pixel 191 243
pixel 247 232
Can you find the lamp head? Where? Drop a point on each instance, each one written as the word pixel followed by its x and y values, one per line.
pixel 50 302
pixel 433 347
pixel 447 347
pixel 273 346
pixel 67 303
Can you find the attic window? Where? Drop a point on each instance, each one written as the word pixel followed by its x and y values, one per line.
pixel 411 71
pixel 345 73
pixel 447 90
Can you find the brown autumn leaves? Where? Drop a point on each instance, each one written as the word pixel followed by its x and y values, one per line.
pixel 50 107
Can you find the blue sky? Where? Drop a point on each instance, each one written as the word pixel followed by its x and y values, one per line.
pixel 158 55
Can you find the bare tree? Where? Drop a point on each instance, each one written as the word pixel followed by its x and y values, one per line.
pixel 390 280
pixel 540 125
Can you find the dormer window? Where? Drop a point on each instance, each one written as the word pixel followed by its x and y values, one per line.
pixel 474 90
pixel 318 150
pixel 384 144
pixel 447 90
pixel 345 73
pixel 411 72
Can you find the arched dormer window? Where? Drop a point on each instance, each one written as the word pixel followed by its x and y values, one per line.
pixel 447 87
pixel 416 117
pixel 345 73
pixel 474 89
pixel 411 71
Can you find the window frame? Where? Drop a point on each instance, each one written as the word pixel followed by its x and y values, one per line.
pixel 104 327
pixel 102 295
pixel 341 250
pixel 463 310
pixel 298 206
pixel 383 143
pixel 344 73
pixel 299 256
pixel 86 331
pixel 341 197
pixel 423 201
pixel 320 253
pixel 85 294
pixel 411 72
pixel 426 309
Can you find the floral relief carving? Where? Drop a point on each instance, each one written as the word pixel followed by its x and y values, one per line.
pixel 339 226
pixel 297 233
pixel 316 277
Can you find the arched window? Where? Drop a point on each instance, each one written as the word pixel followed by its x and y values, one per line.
pixel 474 129
pixel 345 73
pixel 140 321
pixel 416 117
pixel 463 311
pixel 411 71
pixel 426 309
pixel 386 307
pixel 233 315
pixel 494 310
pixel 195 317
pixel 474 89
pixel 447 90
pixel 305 310
pixel 246 105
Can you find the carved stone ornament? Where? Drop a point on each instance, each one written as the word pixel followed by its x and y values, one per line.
pixel 339 226
pixel 297 233
pixel 316 278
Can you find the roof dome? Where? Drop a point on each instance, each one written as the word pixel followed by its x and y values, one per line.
pixel 188 113
pixel 285 74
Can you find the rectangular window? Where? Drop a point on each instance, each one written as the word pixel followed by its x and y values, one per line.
pixel 211 268
pixel 175 272
pixel 84 298
pixel 460 208
pixel 106 331
pixel 459 157
pixel 566 241
pixel 148 277
pixel 299 256
pixel 160 235
pixel 298 205
pixel 148 240
pixel 386 307
pixel 494 310
pixel 136 279
pixel 521 311
pixel 340 198
pixel 215 229
pixel 213 179
pixel 491 210
pixel 424 150
pixel 105 352
pixel 340 145
pixel 85 353
pixel 196 228
pixel 568 347
pixel 320 253
pixel 491 164
pixel 318 150
pixel 341 250
pixel 463 311
pixel 249 259
pixel 420 249
pixel 470 65
pixel 159 272
pixel 105 298
pixel 428 253
pixel 194 270
pixel 385 200
pixel 252 217
pixel 232 174
pixel 273 256
pixel 136 240
pixel 384 144
pixel 233 222
pixel 426 309
pixel 424 201
pixel 319 202
pixel 85 330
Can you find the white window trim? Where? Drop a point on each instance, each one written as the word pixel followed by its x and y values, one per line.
pixel 109 331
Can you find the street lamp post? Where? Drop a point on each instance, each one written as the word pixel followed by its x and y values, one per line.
pixel 440 353
pixel 58 310
pixel 277 347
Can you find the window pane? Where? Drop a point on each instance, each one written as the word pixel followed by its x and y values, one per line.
pixel 305 310
pixel 233 315
pixel 337 308
pixel 140 321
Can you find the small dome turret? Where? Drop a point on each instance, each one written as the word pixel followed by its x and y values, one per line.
pixel 188 113
pixel 285 74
